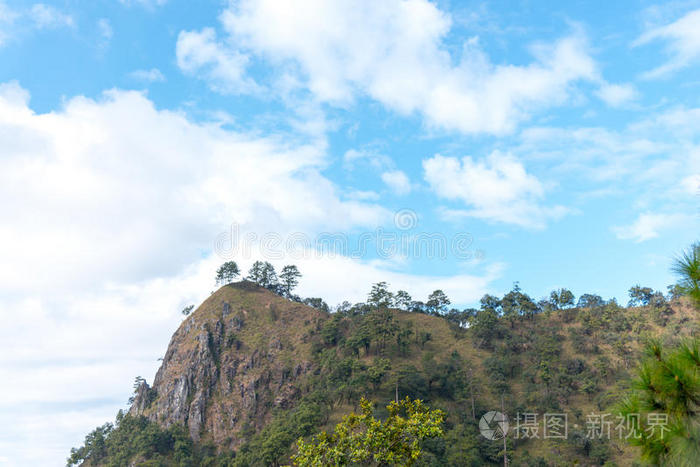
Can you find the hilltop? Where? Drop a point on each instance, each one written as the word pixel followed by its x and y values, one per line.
pixel 248 372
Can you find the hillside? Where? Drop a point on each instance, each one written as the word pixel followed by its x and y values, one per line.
pixel 241 354
pixel 249 372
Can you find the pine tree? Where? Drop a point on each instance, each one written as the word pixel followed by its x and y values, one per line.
pixel 664 405
pixel 268 276
pixel 437 302
pixel 687 266
pixel 379 296
pixel 667 388
pixel 255 272
pixel 403 300
pixel 289 278
pixel 227 273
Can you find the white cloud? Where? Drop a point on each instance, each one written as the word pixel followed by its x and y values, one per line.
pixel 497 188
pixel 616 95
pixel 398 182
pixel 375 159
pixel 38 16
pixel 651 156
pixel 111 178
pixel 104 27
pixel 363 195
pixel 150 76
pixel 111 208
pixel 223 67
pixel 691 184
pixel 648 225
pixel 682 39
pixel 46 16
pixel 7 19
pixel 339 279
pixel 394 52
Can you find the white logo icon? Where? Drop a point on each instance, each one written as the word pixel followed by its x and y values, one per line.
pixel 493 425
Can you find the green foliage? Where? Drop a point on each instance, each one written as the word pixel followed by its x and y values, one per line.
pixel 263 274
pixel 486 326
pixel 517 304
pixel 403 337
pixel 590 301
pixel 272 446
pixel 402 300
pixel 561 299
pixel 640 296
pixel 361 439
pixel 227 273
pixel 368 349
pixel 289 279
pixel 318 303
pixel 379 296
pixel 378 370
pixel 131 438
pixel 667 388
pixel 330 331
pixel 687 266
pixel 437 302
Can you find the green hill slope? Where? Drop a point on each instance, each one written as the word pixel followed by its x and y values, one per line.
pixel 249 372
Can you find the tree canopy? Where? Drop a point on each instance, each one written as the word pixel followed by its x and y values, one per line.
pixel 687 266
pixel 667 390
pixel 227 273
pixel 289 279
pixel 361 439
pixel 437 302
pixel 379 296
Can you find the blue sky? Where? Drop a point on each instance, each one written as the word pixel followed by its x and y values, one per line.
pixel 557 146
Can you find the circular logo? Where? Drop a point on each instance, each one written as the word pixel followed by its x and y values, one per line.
pixel 493 425
pixel 405 219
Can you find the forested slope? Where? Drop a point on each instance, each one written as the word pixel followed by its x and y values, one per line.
pixel 249 372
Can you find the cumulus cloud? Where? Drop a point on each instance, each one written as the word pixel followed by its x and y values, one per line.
pixel 497 188
pixel 394 52
pixel 648 225
pixel 111 210
pixel 398 181
pixel 113 177
pixel 199 52
pixel 682 38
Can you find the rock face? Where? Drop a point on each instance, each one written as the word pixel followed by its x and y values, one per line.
pixel 224 371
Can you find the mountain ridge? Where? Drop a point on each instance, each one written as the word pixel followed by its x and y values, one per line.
pixel 249 372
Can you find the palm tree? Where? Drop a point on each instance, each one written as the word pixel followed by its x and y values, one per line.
pixel 687 266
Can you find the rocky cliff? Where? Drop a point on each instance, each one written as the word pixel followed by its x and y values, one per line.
pixel 222 375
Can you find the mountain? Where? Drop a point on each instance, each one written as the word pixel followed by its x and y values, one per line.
pixel 249 372
pixel 243 353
